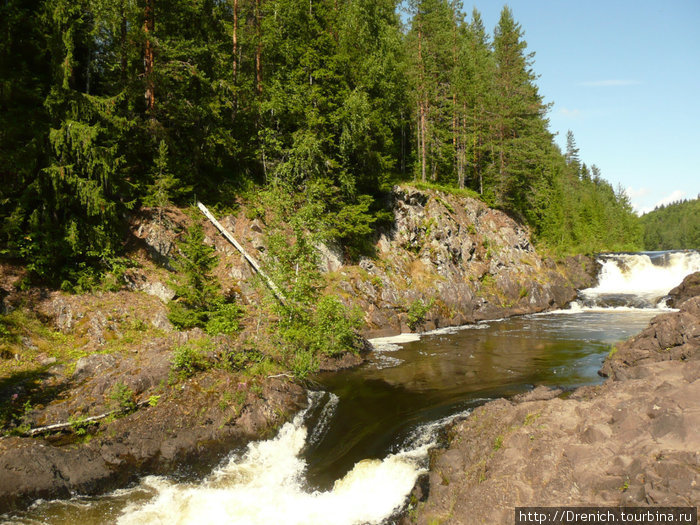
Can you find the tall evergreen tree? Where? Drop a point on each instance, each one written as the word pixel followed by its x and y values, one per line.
pixel 520 124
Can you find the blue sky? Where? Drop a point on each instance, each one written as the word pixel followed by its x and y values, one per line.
pixel 624 76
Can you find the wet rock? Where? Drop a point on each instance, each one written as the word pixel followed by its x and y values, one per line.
pixel 669 337
pixel 690 287
pixel 630 442
pixel 190 425
pixel 541 393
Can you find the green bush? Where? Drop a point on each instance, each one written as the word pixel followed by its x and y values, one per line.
pixel 123 397
pixel 189 359
pixel 335 327
pixel 195 288
pixel 224 319
pixel 5 332
pixel 303 362
pixel 199 302
pixel 417 311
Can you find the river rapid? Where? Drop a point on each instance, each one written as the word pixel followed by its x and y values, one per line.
pixel 356 452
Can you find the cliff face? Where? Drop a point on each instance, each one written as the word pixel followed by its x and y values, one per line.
pixel 467 261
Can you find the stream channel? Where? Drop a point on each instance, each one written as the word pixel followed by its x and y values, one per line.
pixel 356 452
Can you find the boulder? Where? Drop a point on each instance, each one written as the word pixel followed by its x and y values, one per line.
pixel 690 287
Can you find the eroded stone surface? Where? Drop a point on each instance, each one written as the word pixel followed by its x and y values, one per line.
pixel 632 441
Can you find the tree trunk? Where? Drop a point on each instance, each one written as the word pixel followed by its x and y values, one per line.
pixel 422 136
pixel 421 104
pixel 258 48
pixel 123 45
pixel 454 87
pixel 148 57
pixel 235 41
pixel 230 238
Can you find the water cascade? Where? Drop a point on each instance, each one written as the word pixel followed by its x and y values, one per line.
pixel 638 280
pixel 266 484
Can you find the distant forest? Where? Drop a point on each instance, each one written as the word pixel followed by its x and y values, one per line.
pixel 110 105
pixel 673 227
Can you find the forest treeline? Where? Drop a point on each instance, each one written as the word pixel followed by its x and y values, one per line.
pixel 109 105
pixel 674 226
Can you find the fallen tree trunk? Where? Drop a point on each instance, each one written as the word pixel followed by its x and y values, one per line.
pixel 57 427
pixel 229 237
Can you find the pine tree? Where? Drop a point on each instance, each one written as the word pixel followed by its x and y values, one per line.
pixel 433 43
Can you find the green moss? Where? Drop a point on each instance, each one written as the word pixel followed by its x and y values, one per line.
pixel 451 190
pixel 498 442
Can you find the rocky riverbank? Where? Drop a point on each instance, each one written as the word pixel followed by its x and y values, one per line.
pixel 630 441
pixel 446 260
pixel 189 425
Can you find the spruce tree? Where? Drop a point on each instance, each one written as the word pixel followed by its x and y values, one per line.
pixel 521 135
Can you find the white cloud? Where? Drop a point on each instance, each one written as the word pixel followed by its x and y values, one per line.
pixel 569 113
pixel 610 83
pixel 636 194
pixel 674 196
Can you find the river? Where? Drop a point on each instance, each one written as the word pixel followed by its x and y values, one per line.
pixel 355 453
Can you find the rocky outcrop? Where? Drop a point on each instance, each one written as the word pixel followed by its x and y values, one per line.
pixel 466 261
pixel 690 287
pixel 449 255
pixel 632 441
pixel 110 359
pixel 669 337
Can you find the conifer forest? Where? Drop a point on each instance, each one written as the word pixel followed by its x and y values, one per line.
pixel 108 106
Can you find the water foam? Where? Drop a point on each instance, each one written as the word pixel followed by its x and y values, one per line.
pixel 383 345
pixel 639 280
pixel 266 485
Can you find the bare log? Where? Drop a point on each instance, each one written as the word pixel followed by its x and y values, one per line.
pixel 229 237
pixel 57 427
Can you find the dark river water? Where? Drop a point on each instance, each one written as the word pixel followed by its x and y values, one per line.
pixel 402 387
pixel 368 430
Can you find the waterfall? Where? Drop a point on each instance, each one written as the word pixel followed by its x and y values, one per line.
pixel 266 484
pixel 638 280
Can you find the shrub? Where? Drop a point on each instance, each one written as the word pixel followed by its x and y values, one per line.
pixel 195 289
pixel 417 311
pixel 335 327
pixel 189 359
pixel 123 397
pixel 224 319
pixel 199 303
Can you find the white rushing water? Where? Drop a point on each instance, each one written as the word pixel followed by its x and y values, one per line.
pixel 266 484
pixel 639 280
